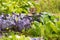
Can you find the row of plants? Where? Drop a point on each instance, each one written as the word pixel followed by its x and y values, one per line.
pixel 44 26
pixel 18 22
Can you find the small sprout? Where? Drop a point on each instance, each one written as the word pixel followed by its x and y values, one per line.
pixel 17 36
pixel 10 36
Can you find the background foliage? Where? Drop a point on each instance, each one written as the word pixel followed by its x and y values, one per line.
pixel 19 6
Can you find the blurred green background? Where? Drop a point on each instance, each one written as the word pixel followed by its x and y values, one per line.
pixel 18 6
